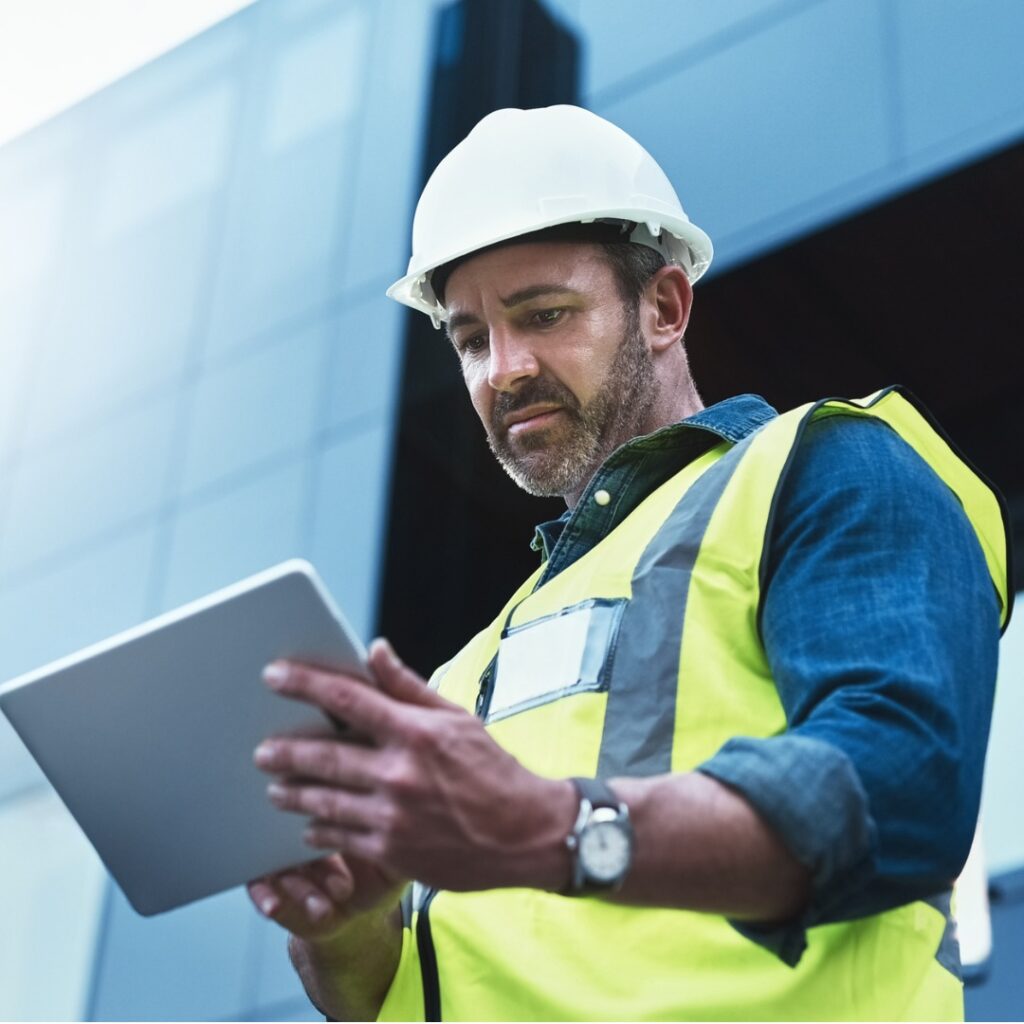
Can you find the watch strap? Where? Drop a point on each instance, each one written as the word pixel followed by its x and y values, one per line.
pixel 596 792
pixel 594 795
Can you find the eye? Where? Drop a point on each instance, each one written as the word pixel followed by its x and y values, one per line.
pixel 547 317
pixel 473 344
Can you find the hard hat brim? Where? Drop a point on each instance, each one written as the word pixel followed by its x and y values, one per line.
pixel 409 289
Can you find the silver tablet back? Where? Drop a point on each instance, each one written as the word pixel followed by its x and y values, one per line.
pixel 148 737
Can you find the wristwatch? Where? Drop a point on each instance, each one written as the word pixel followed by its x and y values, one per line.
pixel 601 841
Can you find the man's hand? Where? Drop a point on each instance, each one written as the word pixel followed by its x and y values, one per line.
pixel 433 797
pixel 346 931
pixel 315 901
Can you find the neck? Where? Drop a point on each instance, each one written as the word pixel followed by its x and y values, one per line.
pixel 673 405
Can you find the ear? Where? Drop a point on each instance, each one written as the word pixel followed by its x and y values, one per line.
pixel 666 307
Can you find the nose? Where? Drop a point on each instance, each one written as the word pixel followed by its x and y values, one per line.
pixel 511 359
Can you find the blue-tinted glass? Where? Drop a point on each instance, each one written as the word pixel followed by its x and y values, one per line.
pixel 296 12
pixel 212 54
pixel 18 771
pixel 960 76
pixel 390 143
pixel 76 603
pixel 349 521
pixel 280 242
pixel 254 408
pixel 53 886
pixel 188 964
pixel 31 217
pixel 366 360
pixel 621 39
pixel 315 80
pixel 20 314
pixel 1001 800
pixel 219 540
pixel 727 130
pixel 294 1009
pixel 88 483
pixel 166 160
pixel 288 208
pixel 122 321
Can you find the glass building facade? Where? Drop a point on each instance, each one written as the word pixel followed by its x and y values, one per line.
pixel 200 375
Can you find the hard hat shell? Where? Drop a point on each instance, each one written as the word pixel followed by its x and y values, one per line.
pixel 520 171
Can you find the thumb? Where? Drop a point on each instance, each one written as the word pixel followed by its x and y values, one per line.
pixel 397 680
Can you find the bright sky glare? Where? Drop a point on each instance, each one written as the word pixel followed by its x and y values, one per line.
pixel 54 53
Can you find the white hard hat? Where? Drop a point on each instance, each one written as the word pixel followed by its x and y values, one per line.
pixel 520 171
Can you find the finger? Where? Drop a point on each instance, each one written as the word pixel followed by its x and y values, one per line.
pixel 285 902
pixel 311 731
pixel 398 680
pixel 351 810
pixel 326 760
pixel 325 835
pixel 307 900
pixel 360 706
pixel 261 892
pixel 331 875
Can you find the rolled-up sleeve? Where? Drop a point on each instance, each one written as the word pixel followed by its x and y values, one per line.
pixel 880 624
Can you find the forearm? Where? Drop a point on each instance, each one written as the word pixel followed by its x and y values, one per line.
pixel 348 975
pixel 701 846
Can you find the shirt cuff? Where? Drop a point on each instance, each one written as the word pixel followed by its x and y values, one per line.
pixel 809 793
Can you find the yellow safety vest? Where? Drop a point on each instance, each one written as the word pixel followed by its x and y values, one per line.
pixel 687 563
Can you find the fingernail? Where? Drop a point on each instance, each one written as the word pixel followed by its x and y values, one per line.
pixel 275 674
pixel 317 907
pixel 268 906
pixel 389 651
pixel 264 753
pixel 277 792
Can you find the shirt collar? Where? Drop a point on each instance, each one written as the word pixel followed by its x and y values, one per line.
pixel 639 466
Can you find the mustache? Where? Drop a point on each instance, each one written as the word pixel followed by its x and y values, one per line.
pixel 533 392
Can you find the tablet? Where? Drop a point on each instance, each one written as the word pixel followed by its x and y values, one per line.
pixel 148 737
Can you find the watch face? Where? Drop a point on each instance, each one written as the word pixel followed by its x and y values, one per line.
pixel 604 851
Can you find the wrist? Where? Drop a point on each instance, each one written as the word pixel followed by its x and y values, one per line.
pixel 347 974
pixel 546 863
pixel 352 933
pixel 601 843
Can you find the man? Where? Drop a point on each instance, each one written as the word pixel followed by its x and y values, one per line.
pixel 720 756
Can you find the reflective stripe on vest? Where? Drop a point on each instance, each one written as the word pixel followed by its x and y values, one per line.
pixel 662 685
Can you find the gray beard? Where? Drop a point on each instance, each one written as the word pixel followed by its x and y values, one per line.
pixel 545 467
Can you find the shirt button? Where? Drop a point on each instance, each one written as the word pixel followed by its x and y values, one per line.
pixel 602 497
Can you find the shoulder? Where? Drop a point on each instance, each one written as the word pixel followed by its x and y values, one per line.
pixel 856 493
pixel 850 465
pixel 855 449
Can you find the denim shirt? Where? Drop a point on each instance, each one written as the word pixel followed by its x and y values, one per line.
pixel 880 625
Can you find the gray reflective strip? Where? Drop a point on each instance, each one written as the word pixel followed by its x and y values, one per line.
pixel 418 894
pixel 641 715
pixel 407 908
pixel 948 953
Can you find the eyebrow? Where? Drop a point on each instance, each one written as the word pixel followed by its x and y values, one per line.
pixel 534 291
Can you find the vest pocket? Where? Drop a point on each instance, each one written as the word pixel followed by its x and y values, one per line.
pixel 555 656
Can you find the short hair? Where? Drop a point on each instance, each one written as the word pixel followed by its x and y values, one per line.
pixel 633 265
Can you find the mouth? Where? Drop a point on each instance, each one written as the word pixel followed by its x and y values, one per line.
pixel 530 419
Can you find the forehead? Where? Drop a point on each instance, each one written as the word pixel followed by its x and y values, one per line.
pixel 509 269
